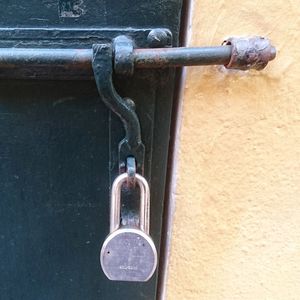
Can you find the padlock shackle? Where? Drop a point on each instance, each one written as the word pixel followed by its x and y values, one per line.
pixel 115 202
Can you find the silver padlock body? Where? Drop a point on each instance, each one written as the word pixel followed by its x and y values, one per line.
pixel 128 255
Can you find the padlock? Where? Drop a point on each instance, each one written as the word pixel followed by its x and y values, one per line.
pixel 129 254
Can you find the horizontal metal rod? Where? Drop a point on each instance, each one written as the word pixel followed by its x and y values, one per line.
pixel 237 53
pixel 14 57
pixel 185 56
pixel 143 58
pixel 39 63
pixel 77 63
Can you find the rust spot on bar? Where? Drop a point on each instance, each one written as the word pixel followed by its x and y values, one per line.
pixel 250 52
pixel 152 57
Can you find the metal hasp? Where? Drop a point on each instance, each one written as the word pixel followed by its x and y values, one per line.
pixel 122 58
pixel 124 108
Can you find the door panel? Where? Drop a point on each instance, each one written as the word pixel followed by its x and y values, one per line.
pixel 59 147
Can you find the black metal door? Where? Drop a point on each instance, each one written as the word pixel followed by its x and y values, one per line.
pixel 59 148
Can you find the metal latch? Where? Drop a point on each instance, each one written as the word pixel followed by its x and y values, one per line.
pixel 235 53
pixel 121 56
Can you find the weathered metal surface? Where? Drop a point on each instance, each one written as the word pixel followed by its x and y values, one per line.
pixel 159 38
pixel 243 53
pixel 250 53
pixel 132 144
pixel 123 55
pixel 178 57
pixel 71 60
pixel 56 53
pixel 237 53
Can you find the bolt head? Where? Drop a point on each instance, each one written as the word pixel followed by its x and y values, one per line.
pixel 159 38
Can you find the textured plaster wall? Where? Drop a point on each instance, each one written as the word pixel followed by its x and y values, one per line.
pixel 236 231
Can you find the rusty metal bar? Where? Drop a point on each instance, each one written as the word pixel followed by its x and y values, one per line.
pixel 242 53
pixel 143 58
pixel 178 57
pixel 39 63
pixel 14 57
pixel 235 53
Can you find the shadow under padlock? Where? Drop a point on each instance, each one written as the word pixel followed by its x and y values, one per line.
pixel 128 253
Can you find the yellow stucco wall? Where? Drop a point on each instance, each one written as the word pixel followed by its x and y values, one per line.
pixel 236 232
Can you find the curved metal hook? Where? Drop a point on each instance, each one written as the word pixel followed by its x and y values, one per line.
pixel 103 69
